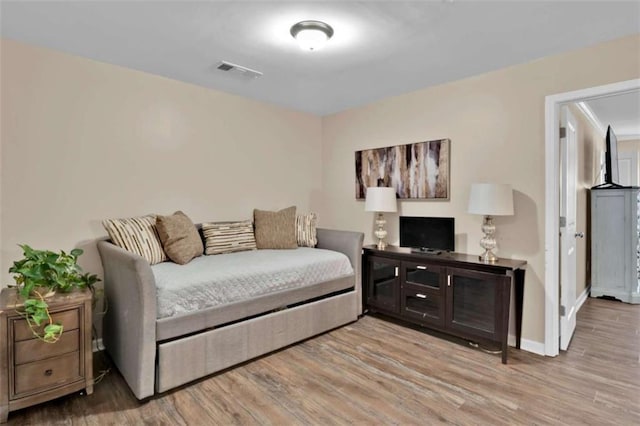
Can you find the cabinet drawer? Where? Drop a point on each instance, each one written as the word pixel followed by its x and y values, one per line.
pixel 36 349
pixel 426 275
pixel 424 306
pixel 69 320
pixel 47 373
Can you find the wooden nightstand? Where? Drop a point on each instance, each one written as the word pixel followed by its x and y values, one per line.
pixel 32 371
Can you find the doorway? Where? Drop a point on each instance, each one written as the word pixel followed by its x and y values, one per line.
pixel 553 104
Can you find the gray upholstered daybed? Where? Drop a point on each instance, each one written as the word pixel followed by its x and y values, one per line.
pixel 164 327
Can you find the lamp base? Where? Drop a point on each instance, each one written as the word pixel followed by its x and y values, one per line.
pixel 381 245
pixel 488 242
pixel 488 257
pixel 380 232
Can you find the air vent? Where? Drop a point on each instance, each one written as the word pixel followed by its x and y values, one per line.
pixel 238 69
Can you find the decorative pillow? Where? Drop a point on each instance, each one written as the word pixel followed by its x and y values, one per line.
pixel 137 235
pixel 306 233
pixel 276 230
pixel 227 237
pixel 179 237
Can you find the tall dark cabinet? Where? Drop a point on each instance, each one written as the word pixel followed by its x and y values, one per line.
pixel 450 292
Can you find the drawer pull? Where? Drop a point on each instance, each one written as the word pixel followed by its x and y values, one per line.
pixel 421 267
pixel 48 372
pixel 396 271
pixel 421 296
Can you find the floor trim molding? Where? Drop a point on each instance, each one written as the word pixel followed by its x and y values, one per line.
pixel 582 298
pixel 527 345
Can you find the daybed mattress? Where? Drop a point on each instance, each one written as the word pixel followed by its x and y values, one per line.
pixel 218 280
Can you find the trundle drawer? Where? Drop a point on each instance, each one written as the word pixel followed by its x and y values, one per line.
pixel 190 358
pixel 47 373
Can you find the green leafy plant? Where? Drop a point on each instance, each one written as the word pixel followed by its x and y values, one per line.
pixel 40 272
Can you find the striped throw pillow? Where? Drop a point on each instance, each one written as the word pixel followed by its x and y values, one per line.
pixel 306 233
pixel 228 237
pixel 137 235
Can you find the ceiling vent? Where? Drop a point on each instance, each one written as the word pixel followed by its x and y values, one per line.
pixel 238 69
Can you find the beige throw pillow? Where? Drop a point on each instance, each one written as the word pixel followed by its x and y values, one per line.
pixel 275 230
pixel 137 235
pixel 179 237
pixel 228 237
pixel 306 233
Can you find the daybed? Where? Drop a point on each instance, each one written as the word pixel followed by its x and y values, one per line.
pixel 157 342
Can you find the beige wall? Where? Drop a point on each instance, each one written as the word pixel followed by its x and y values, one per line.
pixel 496 125
pixel 590 145
pixel 83 141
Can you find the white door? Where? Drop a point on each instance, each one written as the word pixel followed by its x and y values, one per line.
pixel 568 263
pixel 628 168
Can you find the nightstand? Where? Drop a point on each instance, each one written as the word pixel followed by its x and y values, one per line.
pixel 33 371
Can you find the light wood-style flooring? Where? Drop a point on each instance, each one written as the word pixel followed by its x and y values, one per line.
pixel 378 372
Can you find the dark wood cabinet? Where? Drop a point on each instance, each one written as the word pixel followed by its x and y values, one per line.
pixel 450 292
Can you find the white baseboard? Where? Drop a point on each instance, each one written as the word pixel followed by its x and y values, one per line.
pixel 527 345
pixel 582 298
pixel 532 346
pixel 97 345
pixel 538 347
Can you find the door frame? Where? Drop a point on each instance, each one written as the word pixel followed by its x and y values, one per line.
pixel 552 200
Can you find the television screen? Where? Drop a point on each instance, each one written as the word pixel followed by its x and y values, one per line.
pixel 612 175
pixel 435 233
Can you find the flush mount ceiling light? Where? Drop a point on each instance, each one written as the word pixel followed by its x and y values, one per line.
pixel 311 35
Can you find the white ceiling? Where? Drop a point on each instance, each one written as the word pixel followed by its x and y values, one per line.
pixel 379 48
pixel 621 112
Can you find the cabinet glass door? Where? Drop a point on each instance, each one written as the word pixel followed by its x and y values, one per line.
pixel 474 302
pixel 383 283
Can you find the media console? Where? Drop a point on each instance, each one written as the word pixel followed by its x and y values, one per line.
pixel 450 292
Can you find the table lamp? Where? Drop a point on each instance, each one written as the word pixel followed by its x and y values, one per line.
pixel 490 199
pixel 381 200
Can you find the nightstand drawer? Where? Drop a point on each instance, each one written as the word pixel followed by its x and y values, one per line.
pixel 47 373
pixel 69 320
pixel 36 349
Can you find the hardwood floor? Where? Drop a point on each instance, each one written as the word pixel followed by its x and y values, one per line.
pixel 378 372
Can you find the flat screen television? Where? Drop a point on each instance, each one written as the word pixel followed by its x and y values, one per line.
pixel 427 233
pixel 611 173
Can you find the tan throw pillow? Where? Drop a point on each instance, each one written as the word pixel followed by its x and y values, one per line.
pixel 179 237
pixel 275 230
pixel 137 235
pixel 306 233
pixel 228 237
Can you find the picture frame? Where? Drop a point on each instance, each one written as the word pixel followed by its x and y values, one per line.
pixel 417 171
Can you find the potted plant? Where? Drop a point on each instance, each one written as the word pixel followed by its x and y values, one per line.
pixel 42 273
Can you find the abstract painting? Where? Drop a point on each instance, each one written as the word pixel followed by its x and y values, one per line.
pixel 417 170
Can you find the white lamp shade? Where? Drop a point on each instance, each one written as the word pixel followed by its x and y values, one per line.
pixel 491 199
pixel 381 199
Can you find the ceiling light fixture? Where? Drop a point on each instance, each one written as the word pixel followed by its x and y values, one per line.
pixel 311 35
